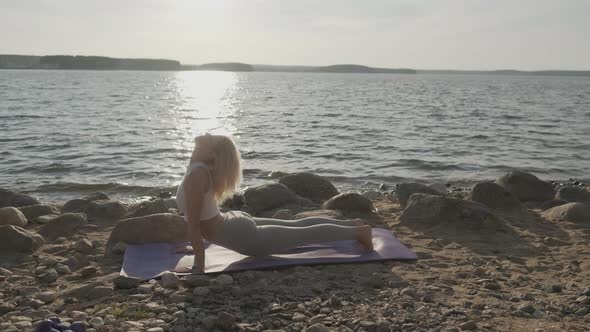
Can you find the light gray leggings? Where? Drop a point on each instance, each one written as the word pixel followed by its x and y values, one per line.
pixel 253 236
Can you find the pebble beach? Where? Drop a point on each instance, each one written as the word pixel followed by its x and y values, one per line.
pixel 504 255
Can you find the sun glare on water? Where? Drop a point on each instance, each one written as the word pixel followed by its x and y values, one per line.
pixel 205 103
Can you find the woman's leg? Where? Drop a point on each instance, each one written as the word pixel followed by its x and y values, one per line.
pixel 274 239
pixel 304 222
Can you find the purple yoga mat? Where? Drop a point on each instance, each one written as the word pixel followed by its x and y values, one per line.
pixel 147 261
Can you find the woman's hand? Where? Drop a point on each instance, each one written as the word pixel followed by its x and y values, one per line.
pixel 183 250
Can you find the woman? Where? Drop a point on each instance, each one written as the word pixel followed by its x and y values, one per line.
pixel 214 173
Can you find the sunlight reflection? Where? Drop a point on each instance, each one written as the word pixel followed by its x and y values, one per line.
pixel 205 104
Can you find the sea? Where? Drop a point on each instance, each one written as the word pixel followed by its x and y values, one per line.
pixel 65 133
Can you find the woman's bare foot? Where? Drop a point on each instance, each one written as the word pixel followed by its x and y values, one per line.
pixel 365 237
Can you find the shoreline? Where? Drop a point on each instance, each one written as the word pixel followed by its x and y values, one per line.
pixel 491 259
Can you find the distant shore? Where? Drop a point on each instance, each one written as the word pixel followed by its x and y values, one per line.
pixel 66 62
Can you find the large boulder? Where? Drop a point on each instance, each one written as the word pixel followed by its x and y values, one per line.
pixel 575 212
pixel 36 210
pixel 104 209
pixel 493 196
pixel 76 204
pixel 161 227
pixel 12 198
pixel 526 187
pixel 146 208
pixel 403 191
pixel 268 196
pixel 309 185
pixel 96 288
pixel 64 225
pixel 433 210
pixel 12 216
pixel 349 202
pixel 573 194
pixel 14 239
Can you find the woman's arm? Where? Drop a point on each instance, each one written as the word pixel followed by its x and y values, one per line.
pixel 195 187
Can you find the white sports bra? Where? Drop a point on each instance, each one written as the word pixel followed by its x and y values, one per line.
pixel 209 208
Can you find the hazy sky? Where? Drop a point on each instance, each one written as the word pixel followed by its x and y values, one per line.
pixel 422 34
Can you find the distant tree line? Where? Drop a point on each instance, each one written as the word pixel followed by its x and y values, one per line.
pixel 105 63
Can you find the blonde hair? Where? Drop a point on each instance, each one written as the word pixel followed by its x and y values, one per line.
pixel 227 173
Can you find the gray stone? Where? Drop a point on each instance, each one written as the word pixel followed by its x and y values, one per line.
pixel 99 292
pixel 493 196
pixel 318 328
pixel 268 196
pixel 209 322
pixel 104 209
pixel 12 198
pixel 124 282
pixel 84 246
pixel 349 202
pixel 146 208
pixel 44 219
pixel 405 190
pixel 65 225
pixel 409 291
pixel 161 227
pixel 468 326
pixel 12 216
pixel 573 194
pixel 527 307
pixel 87 271
pixel 200 291
pixel 83 291
pixel 96 322
pixel 223 280
pixel 170 280
pixel 575 212
pixel 225 321
pixel 526 187
pixel 47 296
pixel 195 280
pixel 14 239
pixel 32 212
pixel 314 187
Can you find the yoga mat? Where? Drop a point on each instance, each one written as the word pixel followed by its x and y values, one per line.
pixel 148 261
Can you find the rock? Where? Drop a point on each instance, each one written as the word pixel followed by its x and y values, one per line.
pixel 124 282
pixel 573 212
pixel 314 187
pixel 493 196
pixel 268 196
pixel 573 194
pixel 285 214
pixel 434 210
pixel 209 322
pixel 196 280
pixel 74 205
pixel 318 328
pixel 99 292
pixel 47 296
pixel 84 246
pixel 405 190
pixel 31 212
pixel 349 202
pixel 64 225
pixel 46 218
pixel 526 187
pixel 14 239
pixel 161 227
pixel 225 321
pixel 149 207
pixel 468 326
pixel 234 202
pixel 200 291
pixel 87 271
pixel 12 198
pixel 527 307
pixel 12 216
pixel 97 196
pixel 119 248
pixel 319 213
pixel 104 209
pixel 170 280
pixel 409 291
pixel 96 322
pixel 223 280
